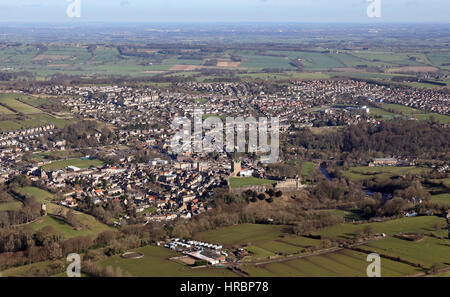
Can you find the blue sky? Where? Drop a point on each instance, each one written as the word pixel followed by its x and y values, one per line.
pixel 225 11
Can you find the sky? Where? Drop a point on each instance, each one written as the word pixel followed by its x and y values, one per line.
pixel 309 11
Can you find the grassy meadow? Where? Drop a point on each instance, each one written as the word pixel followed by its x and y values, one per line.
pixel 62 164
pixel 240 182
pixel 383 173
pixel 90 225
pixel 156 263
pixel 337 264
pixel 19 111
pixel 261 240
pixel 403 225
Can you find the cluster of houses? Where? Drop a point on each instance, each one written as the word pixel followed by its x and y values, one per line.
pixel 431 100
pixel 10 159
pixel 144 114
pixel 176 186
pixel 20 138
pixel 160 189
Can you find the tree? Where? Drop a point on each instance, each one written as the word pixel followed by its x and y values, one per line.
pixel 106 237
pixel 369 207
pixel 4 196
pixel 261 196
pixel 437 226
pixel 434 268
pixel 77 244
pixel 201 263
pixel 395 206
pixel 270 192
pixel 326 243
pixel 54 251
pixel 47 235
pixel 71 219
pixel 368 230
pixel 359 233
pixel 27 157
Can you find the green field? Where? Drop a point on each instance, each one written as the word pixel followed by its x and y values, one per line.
pixel 446 181
pixel 41 156
pixel 91 226
pixel 254 61
pixel 34 101
pixel 307 171
pixel 378 112
pixel 443 199
pixel 13 205
pixel 32 117
pixel 10 101
pixel 263 240
pixel 156 263
pixel 106 60
pixel 242 234
pixel 256 252
pixel 62 164
pixel 392 227
pixel 240 182
pixel 440 193
pixel 346 214
pixel 22 271
pixel 285 75
pixel 316 60
pixel 32 121
pixel 341 263
pixel 426 252
pixel 417 114
pixel 365 172
pixel 445 274
pixel 4 110
pixel 39 194
pixel 389 58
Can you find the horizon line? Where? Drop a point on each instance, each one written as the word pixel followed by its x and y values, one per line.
pixel 79 22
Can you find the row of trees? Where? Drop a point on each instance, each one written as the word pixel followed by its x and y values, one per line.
pixel 22 245
pixel 400 137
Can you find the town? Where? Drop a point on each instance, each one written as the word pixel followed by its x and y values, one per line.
pixel 170 185
pixel 250 150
